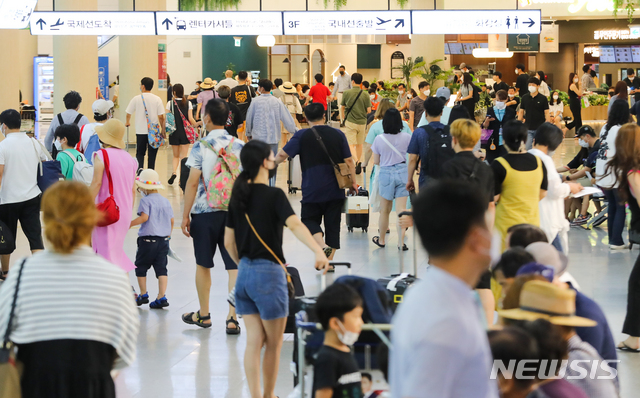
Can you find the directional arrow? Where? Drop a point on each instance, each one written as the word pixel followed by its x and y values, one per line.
pixel 400 22
pixel 531 22
pixel 166 23
pixel 41 22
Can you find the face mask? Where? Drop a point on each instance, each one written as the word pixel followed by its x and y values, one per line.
pixel 58 145
pixel 400 92
pixel 143 193
pixel 409 95
pixel 342 72
pixel 347 337
pixel 426 92
pixel 583 143
pixel 511 95
pixel 555 97
pixel 372 96
pixel 516 71
pixel 3 130
pixel 500 105
pixel 532 89
pixel 575 80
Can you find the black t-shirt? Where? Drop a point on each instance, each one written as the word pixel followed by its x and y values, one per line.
pixel 584 158
pixel 514 106
pixel 500 86
pixel 522 84
pixel 519 162
pixel 241 96
pixel 337 370
pixel 635 84
pixel 534 108
pixel 268 211
pixel 463 164
pixel 194 102
pixel 234 120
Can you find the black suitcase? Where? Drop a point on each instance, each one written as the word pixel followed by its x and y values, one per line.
pixel 294 303
pixel 358 218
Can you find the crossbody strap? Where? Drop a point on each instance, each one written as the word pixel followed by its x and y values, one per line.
pixel 60 121
pixel 383 138
pixel 324 148
pixel 105 155
pixel 267 247
pixel 352 105
pixel 184 119
pixel 7 333
pixel 146 113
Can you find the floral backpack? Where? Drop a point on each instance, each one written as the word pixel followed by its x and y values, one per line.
pixel 222 177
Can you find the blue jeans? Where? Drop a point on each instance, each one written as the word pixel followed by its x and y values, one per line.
pixel 530 135
pixel 261 288
pixel 615 217
pixel 393 181
pixel 557 243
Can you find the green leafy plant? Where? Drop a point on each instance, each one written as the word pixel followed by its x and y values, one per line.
pixel 598 100
pixel 209 5
pixel 407 68
pixel 564 97
pixel 230 67
pixel 430 72
pixel 625 5
pixel 485 101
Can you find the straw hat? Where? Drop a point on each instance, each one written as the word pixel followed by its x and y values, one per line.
pixel 149 179
pixel 545 254
pixel 111 133
pixel 288 88
pixel 207 83
pixel 543 300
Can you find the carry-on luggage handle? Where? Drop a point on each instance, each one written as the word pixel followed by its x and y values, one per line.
pixel 323 277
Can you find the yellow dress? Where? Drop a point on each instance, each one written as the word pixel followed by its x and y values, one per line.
pixel 519 198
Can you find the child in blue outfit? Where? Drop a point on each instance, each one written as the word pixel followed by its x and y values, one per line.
pixel 155 217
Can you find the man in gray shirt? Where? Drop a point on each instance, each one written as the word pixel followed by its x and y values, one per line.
pixel 342 83
pixel 72 101
pixel 276 92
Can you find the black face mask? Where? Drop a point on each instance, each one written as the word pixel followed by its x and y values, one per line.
pixel 272 172
pixel 342 72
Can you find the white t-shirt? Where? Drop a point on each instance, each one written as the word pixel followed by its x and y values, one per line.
pixel 559 107
pixel 87 131
pixel 20 156
pixel 154 108
pixel 229 82
pixel 179 100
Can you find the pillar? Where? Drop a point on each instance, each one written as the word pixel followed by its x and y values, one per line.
pixel 430 47
pixel 75 62
pixel 27 49
pixel 138 59
pixel 9 82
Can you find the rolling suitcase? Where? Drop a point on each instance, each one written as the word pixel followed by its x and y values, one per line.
pixel 294 181
pixel 333 123
pixel 357 207
pixel 397 284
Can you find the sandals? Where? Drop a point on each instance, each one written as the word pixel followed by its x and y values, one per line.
pixel 160 303
pixel 142 299
pixel 188 318
pixel 3 275
pixel 328 251
pixel 376 241
pixel 404 247
pixel 172 179
pixel 625 347
pixel 235 330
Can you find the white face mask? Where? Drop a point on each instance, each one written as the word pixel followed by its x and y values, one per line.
pixel 511 95
pixel 400 92
pixel 516 71
pixel 58 145
pixel 575 80
pixel 555 97
pixel 533 89
pixel 347 337
pixel 426 92
pixel 500 105
pixel 372 96
pixel 583 143
pixel 409 96
pixel 3 129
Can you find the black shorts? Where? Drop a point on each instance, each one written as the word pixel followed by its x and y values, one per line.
pixel 313 213
pixel 28 213
pixel 207 231
pixel 485 281
pixel 152 252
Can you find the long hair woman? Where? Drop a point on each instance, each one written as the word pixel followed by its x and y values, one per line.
pixel 575 92
pixel 253 238
pixel 619 93
pixel 179 106
pixel 465 95
pixel 68 344
pixel 556 109
pixel 521 181
pixel 544 87
pixel 618 116
pixel 625 167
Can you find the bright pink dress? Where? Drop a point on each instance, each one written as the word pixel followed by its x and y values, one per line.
pixel 109 241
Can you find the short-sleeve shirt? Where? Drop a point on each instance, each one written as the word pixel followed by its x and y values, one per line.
pixel 204 97
pixel 635 84
pixel 319 93
pixel 389 157
pixel 337 370
pixel 205 160
pixel 584 157
pixel 155 107
pixel 376 129
pixel 419 146
pixel 160 213
pixel 500 86
pixel 522 84
pixel 417 107
pixel 514 106
pixel 268 209
pixel 66 158
pixel 319 182
pixel 534 108
pixel 234 120
pixel 519 162
pixel 241 97
pixel 358 113
pixel 465 163
pixel 19 155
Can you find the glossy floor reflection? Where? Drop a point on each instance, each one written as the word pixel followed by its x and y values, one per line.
pixel 179 360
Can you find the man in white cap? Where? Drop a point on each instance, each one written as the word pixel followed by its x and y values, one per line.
pixel 102 111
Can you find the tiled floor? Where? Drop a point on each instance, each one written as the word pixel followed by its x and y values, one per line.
pixel 177 360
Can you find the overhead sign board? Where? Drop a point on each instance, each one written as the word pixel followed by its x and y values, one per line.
pixel 347 22
pixel 214 23
pixel 15 14
pixel 476 22
pixel 523 43
pixel 122 23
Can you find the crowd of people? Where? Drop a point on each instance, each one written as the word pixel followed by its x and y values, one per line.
pixel 498 240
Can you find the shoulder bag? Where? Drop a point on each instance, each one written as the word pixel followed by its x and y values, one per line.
pixel 49 171
pixel 155 138
pixel 390 145
pixel 10 368
pixel 170 121
pixel 109 208
pixel 290 287
pixel 189 130
pixel 341 170
pixel 349 110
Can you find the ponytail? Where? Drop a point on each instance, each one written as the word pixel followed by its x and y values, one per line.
pixel 241 192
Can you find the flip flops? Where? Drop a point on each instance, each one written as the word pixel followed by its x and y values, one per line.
pixel 626 348
pixel 376 241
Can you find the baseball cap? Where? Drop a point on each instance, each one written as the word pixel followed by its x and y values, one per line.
pixel 443 92
pixel 537 269
pixel 101 107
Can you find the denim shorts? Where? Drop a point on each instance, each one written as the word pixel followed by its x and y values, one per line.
pixel 261 288
pixel 393 181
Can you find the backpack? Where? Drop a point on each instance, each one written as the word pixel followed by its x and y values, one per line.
pixel 439 150
pixel 92 146
pixel 222 177
pixel 82 170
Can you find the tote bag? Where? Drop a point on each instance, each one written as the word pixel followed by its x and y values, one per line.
pixel 49 171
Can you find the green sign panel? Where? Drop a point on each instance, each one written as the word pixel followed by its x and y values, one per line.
pixel 523 43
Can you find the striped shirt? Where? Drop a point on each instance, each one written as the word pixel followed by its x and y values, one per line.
pixel 584 354
pixel 77 296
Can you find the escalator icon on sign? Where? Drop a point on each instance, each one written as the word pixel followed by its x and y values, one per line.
pixel 181 25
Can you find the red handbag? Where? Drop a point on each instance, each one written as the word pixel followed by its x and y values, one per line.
pixel 108 208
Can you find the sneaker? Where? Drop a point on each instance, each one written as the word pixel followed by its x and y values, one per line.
pixel 581 220
pixel 618 247
pixel 142 299
pixel 159 303
pixel 231 298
